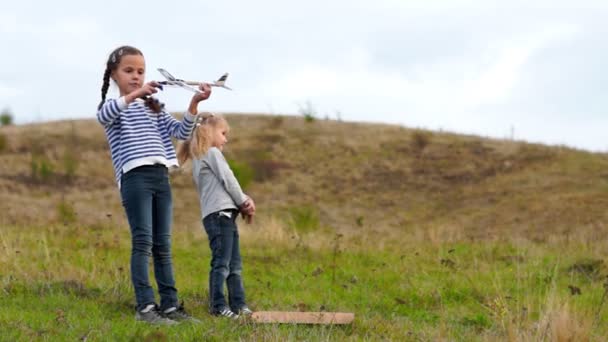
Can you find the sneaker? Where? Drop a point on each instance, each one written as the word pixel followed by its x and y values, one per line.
pixel 179 314
pixel 245 311
pixel 152 315
pixel 225 312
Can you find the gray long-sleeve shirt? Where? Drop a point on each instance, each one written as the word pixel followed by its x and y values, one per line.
pixel 217 187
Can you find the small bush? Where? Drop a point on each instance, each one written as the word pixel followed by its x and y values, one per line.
pixel 532 153
pixel 34 168
pixel 70 164
pixel 359 221
pixel 270 139
pixel 420 140
pixel 66 212
pixel 6 118
pixel 45 169
pixel 304 219
pixel 276 122
pixel 41 168
pixel 70 155
pixel 243 172
pixel 3 142
pixel 590 268
pixel 309 118
pixel 478 321
pixel 308 111
pixel 267 169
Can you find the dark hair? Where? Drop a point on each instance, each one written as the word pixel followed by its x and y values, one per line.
pixel 111 65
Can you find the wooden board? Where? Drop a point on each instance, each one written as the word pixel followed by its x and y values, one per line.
pixel 302 317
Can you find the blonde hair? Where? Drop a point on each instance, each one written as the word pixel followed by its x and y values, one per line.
pixel 199 141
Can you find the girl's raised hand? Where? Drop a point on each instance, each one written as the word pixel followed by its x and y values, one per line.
pixel 205 93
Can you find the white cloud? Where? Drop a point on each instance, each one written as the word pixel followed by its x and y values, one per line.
pixel 494 84
pixel 449 85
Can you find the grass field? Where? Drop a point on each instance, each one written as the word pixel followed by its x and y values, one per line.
pixel 423 235
pixel 67 283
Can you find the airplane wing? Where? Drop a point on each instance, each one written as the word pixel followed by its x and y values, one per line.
pixel 172 81
pixel 187 87
pixel 166 74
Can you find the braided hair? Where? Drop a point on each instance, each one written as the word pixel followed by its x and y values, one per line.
pixel 112 64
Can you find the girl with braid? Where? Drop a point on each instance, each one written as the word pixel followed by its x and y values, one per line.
pixel 139 133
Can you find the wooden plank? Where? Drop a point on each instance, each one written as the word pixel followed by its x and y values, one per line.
pixel 303 317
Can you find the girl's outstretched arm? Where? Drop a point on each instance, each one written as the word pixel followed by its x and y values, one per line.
pixel 181 129
pixel 109 111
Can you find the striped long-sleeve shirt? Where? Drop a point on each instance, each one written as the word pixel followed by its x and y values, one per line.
pixel 137 136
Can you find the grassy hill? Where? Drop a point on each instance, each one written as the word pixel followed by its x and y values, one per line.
pixel 449 236
pixel 332 176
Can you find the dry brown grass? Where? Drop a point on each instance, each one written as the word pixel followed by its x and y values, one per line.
pixel 358 177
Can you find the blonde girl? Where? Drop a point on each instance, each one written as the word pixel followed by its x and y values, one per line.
pixel 221 200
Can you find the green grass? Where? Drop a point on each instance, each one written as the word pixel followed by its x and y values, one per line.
pixel 68 282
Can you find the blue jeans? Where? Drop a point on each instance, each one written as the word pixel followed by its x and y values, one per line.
pixel 146 197
pixel 226 264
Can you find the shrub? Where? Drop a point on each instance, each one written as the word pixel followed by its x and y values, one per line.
pixel 266 169
pixel 3 142
pixel 276 122
pixel 6 118
pixel 45 169
pixel 243 172
pixel 66 212
pixel 420 140
pixel 70 164
pixel 309 118
pixel 359 221
pixel 41 168
pixel 308 111
pixel 34 168
pixel 304 219
pixel 70 155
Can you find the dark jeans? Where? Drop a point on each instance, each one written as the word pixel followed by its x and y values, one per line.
pixel 146 197
pixel 226 264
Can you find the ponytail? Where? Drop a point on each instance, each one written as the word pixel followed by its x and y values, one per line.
pixel 199 141
pixel 183 150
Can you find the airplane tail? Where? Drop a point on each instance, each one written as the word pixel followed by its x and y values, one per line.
pixel 221 82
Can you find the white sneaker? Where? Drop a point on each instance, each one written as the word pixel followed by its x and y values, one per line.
pixel 245 311
pixel 226 312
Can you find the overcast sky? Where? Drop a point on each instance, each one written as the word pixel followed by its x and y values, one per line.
pixel 492 68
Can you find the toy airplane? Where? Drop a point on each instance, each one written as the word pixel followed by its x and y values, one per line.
pixel 189 85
